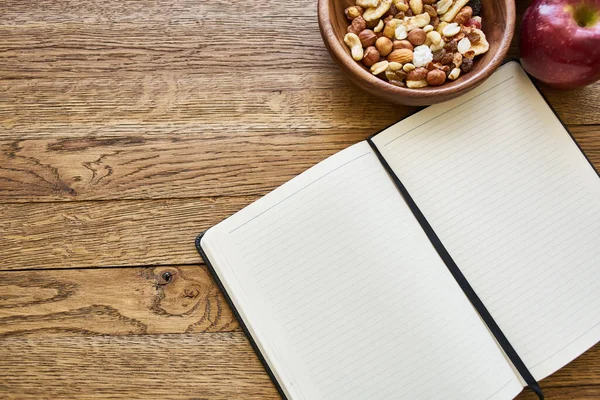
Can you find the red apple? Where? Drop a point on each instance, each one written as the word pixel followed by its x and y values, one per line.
pixel 560 42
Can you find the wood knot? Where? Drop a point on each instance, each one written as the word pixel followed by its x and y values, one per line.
pixel 166 277
pixel 191 293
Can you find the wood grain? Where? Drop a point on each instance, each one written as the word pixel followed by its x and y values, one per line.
pixel 188 366
pixel 579 393
pixel 193 163
pixel 206 366
pixel 108 233
pixel 134 301
pixel 114 301
pixel 128 127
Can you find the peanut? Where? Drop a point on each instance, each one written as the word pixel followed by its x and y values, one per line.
pixel 456 7
pixel 416 6
pixel 374 13
pixel 353 43
pixel 379 67
pixel 416 84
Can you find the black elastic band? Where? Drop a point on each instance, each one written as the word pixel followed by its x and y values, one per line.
pixel 460 278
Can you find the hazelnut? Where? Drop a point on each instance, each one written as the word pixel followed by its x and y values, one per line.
pixel 430 66
pixel 401 56
pixel 417 37
pixel 436 77
pixel 384 46
pixel 353 12
pixel 417 74
pixel 403 44
pixel 358 25
pixel 367 38
pixel 371 56
pixel 463 15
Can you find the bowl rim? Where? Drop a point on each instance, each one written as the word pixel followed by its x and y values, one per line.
pixel 347 63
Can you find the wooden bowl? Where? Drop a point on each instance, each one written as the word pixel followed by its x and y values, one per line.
pixel 498 25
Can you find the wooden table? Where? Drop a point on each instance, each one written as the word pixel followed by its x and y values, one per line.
pixel 126 128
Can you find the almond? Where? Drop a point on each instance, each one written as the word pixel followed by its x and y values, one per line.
pixel 401 56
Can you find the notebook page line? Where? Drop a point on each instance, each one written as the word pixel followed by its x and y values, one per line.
pixel 511 242
pixel 447 111
pixel 299 190
pixel 494 289
pixel 269 251
pixel 469 162
pixel 340 186
pixel 458 124
pixel 485 194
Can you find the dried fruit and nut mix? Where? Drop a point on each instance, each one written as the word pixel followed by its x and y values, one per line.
pixel 416 43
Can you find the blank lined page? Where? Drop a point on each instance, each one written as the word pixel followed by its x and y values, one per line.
pixel 346 296
pixel 517 205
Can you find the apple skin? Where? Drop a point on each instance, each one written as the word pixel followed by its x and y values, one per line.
pixel 555 49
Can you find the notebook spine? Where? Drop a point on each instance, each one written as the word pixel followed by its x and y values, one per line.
pixel 460 278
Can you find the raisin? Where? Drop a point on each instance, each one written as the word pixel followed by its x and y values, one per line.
pixel 451 46
pixel 467 65
pixel 438 55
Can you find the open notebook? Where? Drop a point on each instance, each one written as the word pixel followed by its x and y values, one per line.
pixel 344 295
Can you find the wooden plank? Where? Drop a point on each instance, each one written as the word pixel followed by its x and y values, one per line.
pixel 158 232
pixel 95 58
pixel 107 233
pixel 112 301
pixel 132 301
pixel 214 365
pixel 568 393
pixel 199 162
pixel 200 366
pixel 176 103
pixel 17 12
pixel 137 166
